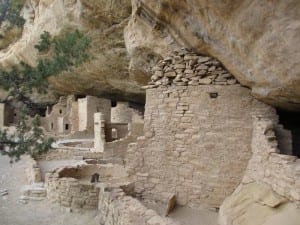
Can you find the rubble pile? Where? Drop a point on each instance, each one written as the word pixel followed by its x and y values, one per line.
pixel 184 68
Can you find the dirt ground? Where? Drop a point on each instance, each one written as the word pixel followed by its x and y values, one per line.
pixel 12 212
pixel 185 215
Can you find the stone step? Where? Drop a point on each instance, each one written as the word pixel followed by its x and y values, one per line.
pixel 35 191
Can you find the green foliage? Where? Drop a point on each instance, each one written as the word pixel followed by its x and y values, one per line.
pixel 68 51
pixel 10 11
pixel 45 42
pixel 26 140
pixel 71 49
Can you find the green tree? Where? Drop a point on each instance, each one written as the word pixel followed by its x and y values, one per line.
pixel 10 11
pixel 45 42
pixel 69 51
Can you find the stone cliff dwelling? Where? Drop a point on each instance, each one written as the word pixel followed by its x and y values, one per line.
pixel 188 112
pixel 8 115
pixel 210 137
pixel 71 115
pixel 93 118
pixel 205 140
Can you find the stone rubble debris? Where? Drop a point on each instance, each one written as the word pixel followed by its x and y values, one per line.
pixel 3 192
pixel 185 68
pixel 23 199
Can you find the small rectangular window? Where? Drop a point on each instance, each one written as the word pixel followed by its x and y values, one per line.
pixel 213 94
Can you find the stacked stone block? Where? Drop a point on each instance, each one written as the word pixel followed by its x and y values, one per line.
pixel 33 172
pixel 184 68
pixel 69 192
pixel 117 208
pixel 266 165
pixel 195 145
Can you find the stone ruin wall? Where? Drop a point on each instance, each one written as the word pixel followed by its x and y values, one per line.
pixel 116 150
pixel 74 118
pixel 57 117
pixel 281 172
pixel 33 171
pixel 62 153
pixel 2 115
pixel 7 115
pixel 118 208
pixel 86 109
pixel 114 202
pixel 196 146
pixel 198 131
pixel 120 128
pixel 71 187
pixel 82 114
pixel 69 192
pixel 121 113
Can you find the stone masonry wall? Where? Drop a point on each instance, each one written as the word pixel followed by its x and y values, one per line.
pixel 33 172
pixel 117 208
pixel 86 109
pixel 120 128
pixel 280 171
pixel 197 143
pixel 74 119
pixel 69 192
pixel 2 115
pixel 6 115
pixel 121 113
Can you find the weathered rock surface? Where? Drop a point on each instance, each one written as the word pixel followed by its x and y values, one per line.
pixel 103 21
pixel 256 203
pixel 257 41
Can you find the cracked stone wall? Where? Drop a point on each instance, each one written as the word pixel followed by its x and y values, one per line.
pixel 270 190
pixel 117 208
pixel 280 171
pixel 197 143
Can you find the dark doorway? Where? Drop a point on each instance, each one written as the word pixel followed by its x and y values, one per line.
pixel 113 103
pixel 291 121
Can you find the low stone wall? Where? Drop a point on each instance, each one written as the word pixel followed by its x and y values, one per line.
pixel 117 208
pixel 59 154
pixel 71 187
pixel 69 192
pixel 117 149
pixel 280 171
pixel 270 190
pixel 33 172
pixel 121 129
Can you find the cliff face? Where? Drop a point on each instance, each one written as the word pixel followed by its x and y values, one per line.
pixel 103 21
pixel 257 41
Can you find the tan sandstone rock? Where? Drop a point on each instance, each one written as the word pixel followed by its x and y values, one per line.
pixel 103 21
pixel 257 41
pixel 258 204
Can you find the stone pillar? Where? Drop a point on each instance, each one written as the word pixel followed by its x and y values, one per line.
pixel 99 134
pixel 2 115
